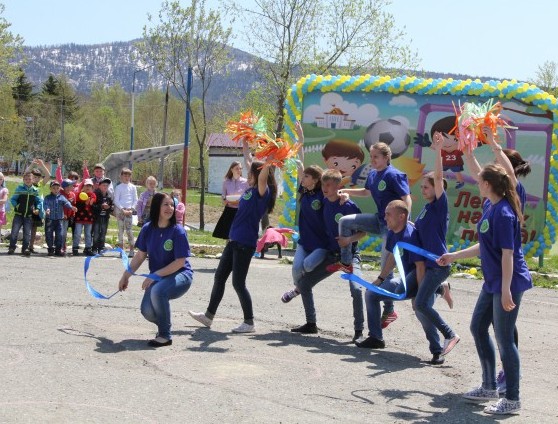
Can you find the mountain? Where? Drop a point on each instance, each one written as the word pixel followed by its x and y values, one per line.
pixel 112 63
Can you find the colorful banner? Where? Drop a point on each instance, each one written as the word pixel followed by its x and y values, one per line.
pixel 343 116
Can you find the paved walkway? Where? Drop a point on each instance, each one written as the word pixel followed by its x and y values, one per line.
pixel 66 357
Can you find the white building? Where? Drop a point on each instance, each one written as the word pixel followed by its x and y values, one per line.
pixel 335 119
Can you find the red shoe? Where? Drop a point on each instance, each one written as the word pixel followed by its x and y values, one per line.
pixel 387 319
pixel 339 266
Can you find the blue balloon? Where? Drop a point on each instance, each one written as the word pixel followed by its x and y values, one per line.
pixel 296 237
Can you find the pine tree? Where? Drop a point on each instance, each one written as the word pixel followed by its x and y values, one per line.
pixel 22 92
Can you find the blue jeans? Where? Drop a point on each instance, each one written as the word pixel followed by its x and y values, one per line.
pixel 155 306
pixel 429 318
pixel 370 223
pixel 64 232
pixel 373 299
pixel 100 231
pixel 77 235
pixel 235 259
pixel 305 261
pixel 18 222
pixel 488 310
pixel 53 234
pixel 310 279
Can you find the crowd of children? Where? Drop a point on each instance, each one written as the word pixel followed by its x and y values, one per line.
pixel 83 205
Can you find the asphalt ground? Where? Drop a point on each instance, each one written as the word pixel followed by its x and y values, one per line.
pixel 67 357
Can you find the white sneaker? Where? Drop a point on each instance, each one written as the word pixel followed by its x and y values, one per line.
pixel 481 394
pixel 201 317
pixel 244 328
pixel 503 407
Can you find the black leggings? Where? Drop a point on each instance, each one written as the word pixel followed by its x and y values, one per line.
pixel 236 258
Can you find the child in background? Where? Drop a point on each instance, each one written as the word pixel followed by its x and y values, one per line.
pixel 3 199
pixel 125 199
pixel 72 175
pixel 102 209
pixel 84 218
pixel 41 177
pixel 26 202
pixel 98 176
pixel 143 205
pixel 69 214
pixel 54 205
pixel 179 208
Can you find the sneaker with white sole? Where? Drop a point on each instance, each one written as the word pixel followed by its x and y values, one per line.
pixel 289 295
pixel 503 407
pixel 201 317
pixel 244 328
pixel 449 344
pixel 481 394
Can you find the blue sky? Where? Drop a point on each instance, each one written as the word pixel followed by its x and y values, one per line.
pixel 449 36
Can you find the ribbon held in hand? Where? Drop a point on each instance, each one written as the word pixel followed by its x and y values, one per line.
pixel 125 264
pixel 397 256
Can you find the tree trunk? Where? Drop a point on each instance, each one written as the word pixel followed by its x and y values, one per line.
pixel 161 174
pixel 280 105
pixel 202 189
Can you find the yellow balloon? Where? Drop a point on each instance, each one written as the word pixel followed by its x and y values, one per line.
pixel 473 271
pixel 83 196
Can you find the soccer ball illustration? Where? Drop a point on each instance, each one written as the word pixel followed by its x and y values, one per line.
pixel 389 131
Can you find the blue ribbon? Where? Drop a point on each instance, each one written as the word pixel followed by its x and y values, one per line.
pixel 397 256
pixel 125 264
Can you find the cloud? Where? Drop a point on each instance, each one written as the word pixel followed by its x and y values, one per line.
pixel 404 101
pixel 363 115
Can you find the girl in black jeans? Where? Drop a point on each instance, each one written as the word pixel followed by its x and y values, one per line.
pixel 256 200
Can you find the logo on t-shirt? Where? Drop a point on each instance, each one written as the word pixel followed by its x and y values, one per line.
pixel 421 214
pixel 484 226
pixel 168 245
pixel 338 216
pixel 382 185
pixel 316 205
pixel 247 195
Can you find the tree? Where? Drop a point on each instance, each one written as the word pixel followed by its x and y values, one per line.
pixel 547 77
pixel 22 92
pixel 296 37
pixel 184 38
pixel 10 48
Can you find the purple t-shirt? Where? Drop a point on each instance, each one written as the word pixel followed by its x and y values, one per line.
pixel 311 220
pixel 234 187
pixel 432 226
pixel 252 206
pixel 333 212
pixel 385 186
pixel 164 245
pixel 500 229
pixel 407 235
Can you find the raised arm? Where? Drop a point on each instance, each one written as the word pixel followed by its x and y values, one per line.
pixel 262 179
pixel 500 156
pixel 58 173
pixel 247 154
pixel 300 161
pixel 437 143
pixel 44 170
